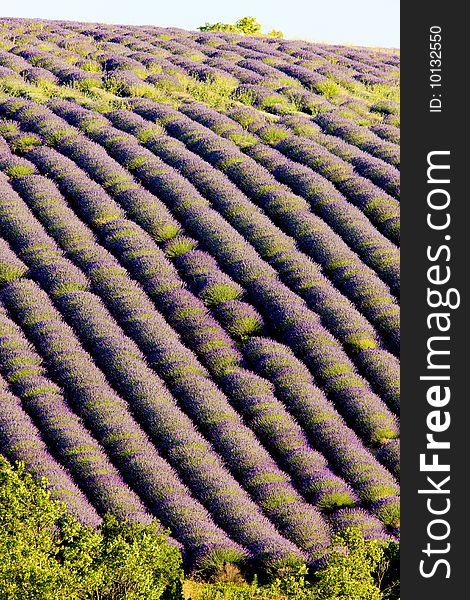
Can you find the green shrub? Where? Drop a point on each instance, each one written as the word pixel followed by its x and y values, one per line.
pixel 276 33
pixel 329 89
pixel 219 292
pixel 25 142
pixel 245 327
pixel 136 562
pixel 16 171
pixel 179 245
pixel 350 569
pixel 10 272
pixel 356 569
pixel 248 26
pixel 46 554
pixel 244 26
pixel 28 565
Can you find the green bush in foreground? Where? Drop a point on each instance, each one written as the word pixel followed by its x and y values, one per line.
pixel 46 554
pixel 349 574
pixel 356 569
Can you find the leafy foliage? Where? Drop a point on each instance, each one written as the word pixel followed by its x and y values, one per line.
pixel 248 26
pixel 244 26
pixel 356 569
pixel 349 574
pixel 228 27
pixel 47 554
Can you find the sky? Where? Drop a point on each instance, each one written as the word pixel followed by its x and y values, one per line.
pixel 358 22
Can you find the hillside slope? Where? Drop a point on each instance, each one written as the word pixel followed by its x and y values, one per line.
pixel 199 279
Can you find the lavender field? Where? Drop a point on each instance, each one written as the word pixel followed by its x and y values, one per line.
pixel 199 282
